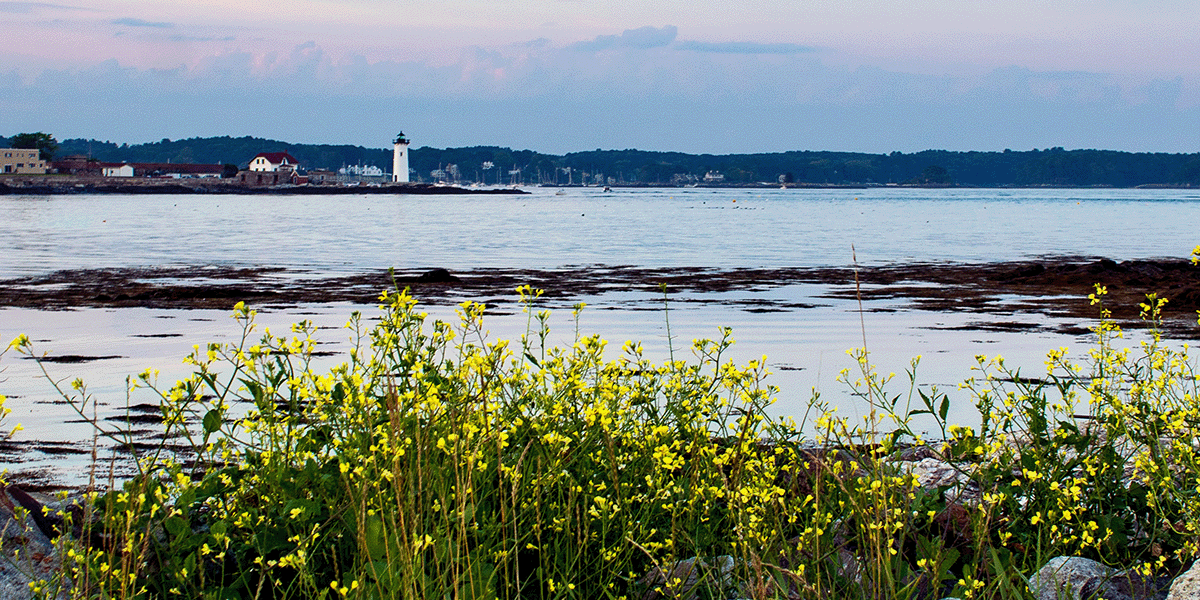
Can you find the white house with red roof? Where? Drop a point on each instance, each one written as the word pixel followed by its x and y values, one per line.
pixel 272 161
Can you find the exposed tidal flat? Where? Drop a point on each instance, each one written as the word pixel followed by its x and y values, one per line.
pixel 112 285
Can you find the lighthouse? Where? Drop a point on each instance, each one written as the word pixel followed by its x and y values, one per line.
pixel 400 159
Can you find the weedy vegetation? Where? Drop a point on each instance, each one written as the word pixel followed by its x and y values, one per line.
pixel 435 463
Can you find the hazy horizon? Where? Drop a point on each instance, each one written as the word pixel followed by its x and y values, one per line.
pixel 562 76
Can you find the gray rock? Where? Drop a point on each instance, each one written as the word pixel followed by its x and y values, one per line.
pixel 686 578
pixel 1076 578
pixel 1187 585
pixel 26 554
pixel 1071 577
pixel 931 472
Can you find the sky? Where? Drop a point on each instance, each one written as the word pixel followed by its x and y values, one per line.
pixel 698 76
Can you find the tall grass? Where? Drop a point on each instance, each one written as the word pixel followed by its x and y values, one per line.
pixel 435 463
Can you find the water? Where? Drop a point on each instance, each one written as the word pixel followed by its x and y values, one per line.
pixel 672 227
pixel 336 235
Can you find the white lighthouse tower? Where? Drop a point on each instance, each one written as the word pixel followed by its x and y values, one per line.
pixel 400 159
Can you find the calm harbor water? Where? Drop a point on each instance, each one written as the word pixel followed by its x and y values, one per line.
pixel 654 227
pixel 336 235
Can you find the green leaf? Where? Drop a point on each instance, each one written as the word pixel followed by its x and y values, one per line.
pixel 481 580
pixel 231 593
pixel 186 498
pixel 373 534
pixel 212 421
pixel 175 525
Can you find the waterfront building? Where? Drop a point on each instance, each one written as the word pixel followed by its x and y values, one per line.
pixel 116 169
pixel 274 161
pixel 21 161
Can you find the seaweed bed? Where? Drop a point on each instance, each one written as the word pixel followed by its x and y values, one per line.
pixel 1057 286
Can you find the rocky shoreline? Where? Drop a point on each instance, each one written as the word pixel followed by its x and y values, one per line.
pixel 46 186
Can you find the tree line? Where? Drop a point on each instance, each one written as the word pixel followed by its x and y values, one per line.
pixel 493 164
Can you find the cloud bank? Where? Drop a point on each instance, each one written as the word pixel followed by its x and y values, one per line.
pixel 642 88
pixel 132 22
pixel 642 37
pixel 25 8
pixel 744 47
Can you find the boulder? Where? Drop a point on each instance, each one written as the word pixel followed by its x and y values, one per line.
pixel 26 553
pixel 437 276
pixel 1187 585
pixel 935 473
pixel 1072 577
pixel 1077 578
pixel 686 579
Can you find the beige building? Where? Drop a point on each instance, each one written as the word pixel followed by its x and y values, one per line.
pixel 24 162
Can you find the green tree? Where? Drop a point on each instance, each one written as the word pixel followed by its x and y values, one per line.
pixel 44 143
pixel 936 174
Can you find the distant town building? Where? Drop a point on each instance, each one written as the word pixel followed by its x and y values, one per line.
pixel 361 170
pixel 400 159
pixel 714 177
pixel 177 170
pixel 26 162
pixel 362 174
pixel 77 164
pixel 274 161
pixel 322 176
pixel 279 177
pixel 116 169
pixel 82 165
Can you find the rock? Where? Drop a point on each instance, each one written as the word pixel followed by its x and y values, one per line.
pixel 934 473
pixel 1138 587
pixel 26 554
pixel 1072 577
pixel 914 453
pixel 1080 578
pixel 694 575
pixel 1187 585
pixel 849 565
pixel 437 276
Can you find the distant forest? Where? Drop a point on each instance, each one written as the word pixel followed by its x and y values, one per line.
pixel 1049 167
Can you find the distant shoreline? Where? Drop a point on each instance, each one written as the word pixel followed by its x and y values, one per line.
pixel 54 186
